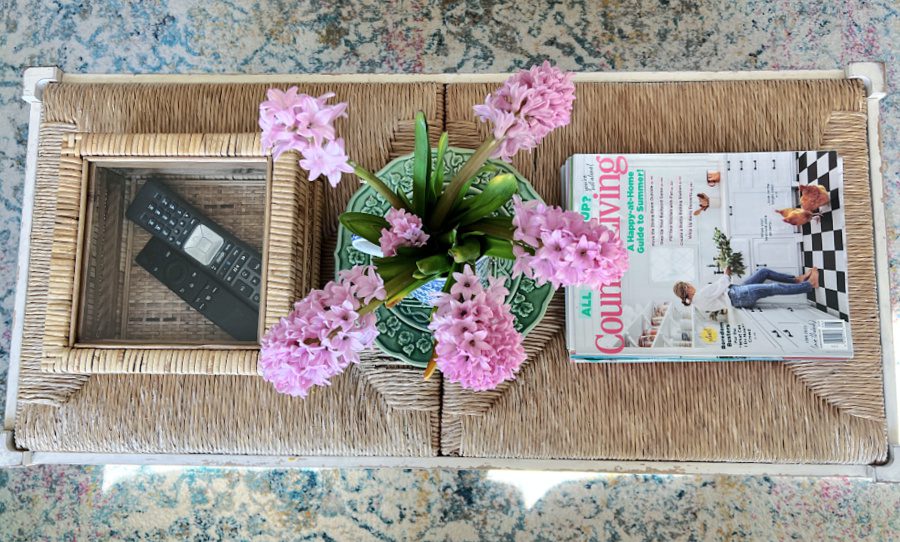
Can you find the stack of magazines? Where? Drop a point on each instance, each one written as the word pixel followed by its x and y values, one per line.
pixel 731 256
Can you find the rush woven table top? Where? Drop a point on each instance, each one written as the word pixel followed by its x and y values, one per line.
pixel 692 411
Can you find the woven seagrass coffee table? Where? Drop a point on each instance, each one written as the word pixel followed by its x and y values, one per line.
pixel 189 400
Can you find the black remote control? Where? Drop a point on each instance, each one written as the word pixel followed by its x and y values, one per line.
pixel 201 291
pixel 168 217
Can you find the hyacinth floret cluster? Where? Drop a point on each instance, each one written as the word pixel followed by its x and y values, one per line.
pixel 405 231
pixel 324 333
pixel 476 342
pixel 563 248
pixel 529 105
pixel 293 121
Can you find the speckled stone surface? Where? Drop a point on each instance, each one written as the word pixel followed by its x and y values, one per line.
pixel 271 36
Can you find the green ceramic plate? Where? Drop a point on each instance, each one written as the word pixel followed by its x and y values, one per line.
pixel 403 330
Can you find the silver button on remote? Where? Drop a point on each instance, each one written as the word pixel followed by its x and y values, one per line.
pixel 203 244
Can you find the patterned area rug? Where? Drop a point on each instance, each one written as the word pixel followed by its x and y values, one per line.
pixel 166 503
pixel 394 36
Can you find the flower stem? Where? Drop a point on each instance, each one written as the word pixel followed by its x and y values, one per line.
pixel 500 227
pixel 432 363
pixel 469 169
pixel 371 307
pixel 393 300
pixel 372 180
pixel 402 285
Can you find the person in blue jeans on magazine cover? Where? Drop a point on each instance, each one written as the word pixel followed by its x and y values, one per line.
pixel 720 295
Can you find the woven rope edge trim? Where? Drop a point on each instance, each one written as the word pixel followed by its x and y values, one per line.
pixel 58 356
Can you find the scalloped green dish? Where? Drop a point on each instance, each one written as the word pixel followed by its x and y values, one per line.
pixel 403 329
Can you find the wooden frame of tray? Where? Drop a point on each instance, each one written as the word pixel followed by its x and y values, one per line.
pixel 289 234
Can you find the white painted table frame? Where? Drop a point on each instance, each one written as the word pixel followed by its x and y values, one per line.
pixel 871 73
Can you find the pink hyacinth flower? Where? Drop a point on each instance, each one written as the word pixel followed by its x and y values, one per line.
pixel 476 342
pixel 328 159
pixel 323 335
pixel 297 122
pixel 564 249
pixel 315 118
pixel 277 119
pixel 530 104
pixel 405 230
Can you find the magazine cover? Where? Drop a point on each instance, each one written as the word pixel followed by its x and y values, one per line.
pixel 731 256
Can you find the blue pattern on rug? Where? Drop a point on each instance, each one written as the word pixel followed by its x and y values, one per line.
pixel 171 503
pixel 271 36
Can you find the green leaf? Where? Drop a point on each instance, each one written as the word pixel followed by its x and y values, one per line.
pixel 405 201
pixel 448 284
pixel 355 217
pixel 364 225
pixel 378 185
pixel 467 251
pixel 497 226
pixel 433 265
pixel 398 295
pixel 487 168
pixel 448 237
pixel 495 194
pixel 437 169
pixel 394 266
pixel 466 172
pixel 461 200
pixel 403 263
pixel 397 287
pixel 421 165
pixel 415 252
pixel 462 203
pixel 497 248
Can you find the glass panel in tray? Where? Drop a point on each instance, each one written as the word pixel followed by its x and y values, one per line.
pixel 173 253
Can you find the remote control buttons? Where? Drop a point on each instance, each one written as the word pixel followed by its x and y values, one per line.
pixel 218 270
pixel 203 244
pixel 245 289
pixel 176 272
